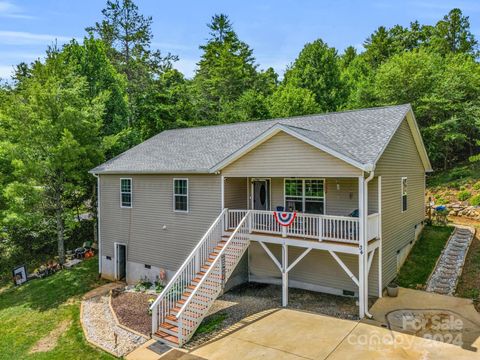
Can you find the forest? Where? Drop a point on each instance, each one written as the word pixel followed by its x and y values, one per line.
pixel 90 100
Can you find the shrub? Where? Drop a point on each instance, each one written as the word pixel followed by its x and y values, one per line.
pixel 440 200
pixel 464 195
pixel 454 185
pixel 476 186
pixel 475 200
pixel 460 173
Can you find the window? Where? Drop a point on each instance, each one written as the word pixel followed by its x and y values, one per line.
pixel 126 193
pixel 404 194
pixel 305 195
pixel 180 195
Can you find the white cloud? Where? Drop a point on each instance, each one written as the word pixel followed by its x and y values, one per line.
pixel 27 38
pixel 186 67
pixel 10 10
pixel 6 71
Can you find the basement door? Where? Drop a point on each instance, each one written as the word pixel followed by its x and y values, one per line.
pixel 121 261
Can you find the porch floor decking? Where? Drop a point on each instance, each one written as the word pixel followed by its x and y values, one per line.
pixel 306 242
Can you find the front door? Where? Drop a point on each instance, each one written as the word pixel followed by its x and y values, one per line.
pixel 121 261
pixel 261 194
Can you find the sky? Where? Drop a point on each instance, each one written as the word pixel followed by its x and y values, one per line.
pixel 275 29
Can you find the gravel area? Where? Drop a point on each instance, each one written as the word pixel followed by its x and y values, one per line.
pixel 132 311
pixel 252 298
pixel 100 327
pixel 445 277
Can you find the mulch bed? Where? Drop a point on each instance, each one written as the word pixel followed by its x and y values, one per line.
pixel 132 311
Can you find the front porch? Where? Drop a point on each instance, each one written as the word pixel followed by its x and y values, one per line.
pixel 328 209
pixel 331 245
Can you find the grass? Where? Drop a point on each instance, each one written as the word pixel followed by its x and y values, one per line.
pixel 30 312
pixel 211 323
pixel 424 255
pixel 469 282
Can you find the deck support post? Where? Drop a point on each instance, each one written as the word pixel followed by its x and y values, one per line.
pixel 362 251
pixel 284 275
pixel 380 271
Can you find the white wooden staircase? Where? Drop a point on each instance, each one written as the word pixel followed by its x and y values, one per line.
pixel 182 305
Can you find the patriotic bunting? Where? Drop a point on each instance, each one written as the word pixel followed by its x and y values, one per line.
pixel 284 218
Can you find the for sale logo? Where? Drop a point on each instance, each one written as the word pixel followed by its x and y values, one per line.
pixel 406 326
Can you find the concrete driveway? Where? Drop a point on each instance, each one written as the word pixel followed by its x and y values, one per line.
pixel 289 334
pixel 415 325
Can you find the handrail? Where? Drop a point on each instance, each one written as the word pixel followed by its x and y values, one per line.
pixel 186 262
pixel 212 265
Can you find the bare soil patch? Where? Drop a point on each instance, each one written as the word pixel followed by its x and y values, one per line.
pixel 132 311
pixel 50 341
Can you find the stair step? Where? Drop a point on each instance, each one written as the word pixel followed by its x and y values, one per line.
pixel 170 329
pixel 167 337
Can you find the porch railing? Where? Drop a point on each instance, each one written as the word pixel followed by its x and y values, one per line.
pixel 309 226
pixel 373 223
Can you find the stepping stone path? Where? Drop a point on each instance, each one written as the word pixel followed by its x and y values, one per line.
pixel 449 267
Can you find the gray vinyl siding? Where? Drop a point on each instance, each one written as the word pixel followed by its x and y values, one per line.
pixel 235 193
pixel 285 156
pixel 318 268
pixel 339 201
pixel 141 227
pixel 400 159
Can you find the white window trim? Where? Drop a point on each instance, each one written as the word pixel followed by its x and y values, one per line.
pixel 131 193
pixel 401 193
pixel 303 193
pixel 187 196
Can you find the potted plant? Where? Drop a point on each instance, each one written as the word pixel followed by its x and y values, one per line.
pixel 392 289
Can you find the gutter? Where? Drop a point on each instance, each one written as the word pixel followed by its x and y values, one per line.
pixel 98 224
pixel 365 245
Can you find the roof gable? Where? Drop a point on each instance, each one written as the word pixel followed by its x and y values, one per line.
pixel 298 133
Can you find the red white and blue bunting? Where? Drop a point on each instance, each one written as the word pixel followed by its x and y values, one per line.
pixel 284 218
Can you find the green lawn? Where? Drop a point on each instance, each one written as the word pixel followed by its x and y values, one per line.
pixel 30 312
pixel 424 255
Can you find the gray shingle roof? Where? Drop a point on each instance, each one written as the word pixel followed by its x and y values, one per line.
pixel 359 135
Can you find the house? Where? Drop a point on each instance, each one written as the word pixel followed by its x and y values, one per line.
pixel 196 207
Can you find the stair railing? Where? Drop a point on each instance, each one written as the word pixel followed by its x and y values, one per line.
pixel 212 283
pixel 172 293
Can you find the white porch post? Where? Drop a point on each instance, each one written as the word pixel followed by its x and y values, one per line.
pixel 222 191
pixel 380 270
pixel 362 250
pixel 284 275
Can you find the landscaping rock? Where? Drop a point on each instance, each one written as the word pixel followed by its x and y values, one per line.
pixel 100 328
pixel 445 276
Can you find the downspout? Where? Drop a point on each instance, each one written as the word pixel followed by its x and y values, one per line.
pixel 365 244
pixel 98 225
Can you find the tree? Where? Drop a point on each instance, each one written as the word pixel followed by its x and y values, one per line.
pixel 445 94
pixel 53 127
pixel 452 35
pixel 226 69
pixel 291 101
pixel 317 69
pixel 128 37
pixel 378 47
pixel 166 105
pixel 90 61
